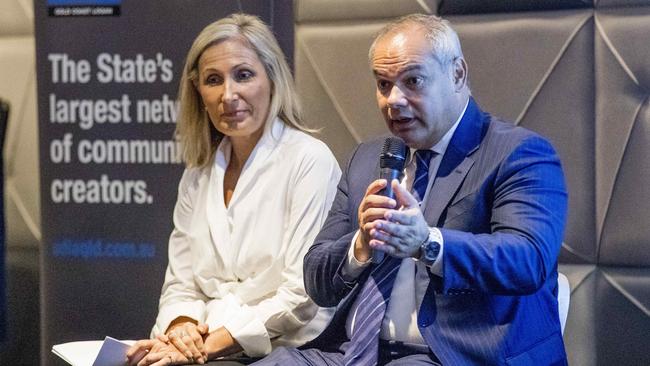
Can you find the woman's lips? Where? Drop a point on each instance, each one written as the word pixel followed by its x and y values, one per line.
pixel 234 115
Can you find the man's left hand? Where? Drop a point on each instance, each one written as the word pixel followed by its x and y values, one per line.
pixel 402 231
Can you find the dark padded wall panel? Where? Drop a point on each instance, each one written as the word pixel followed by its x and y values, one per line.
pixel 527 82
pixel 327 80
pixel 328 10
pixel 621 3
pixel 623 134
pixel 609 318
pixel 622 316
pixel 509 56
pixel 565 103
pixel 482 6
pixel 320 109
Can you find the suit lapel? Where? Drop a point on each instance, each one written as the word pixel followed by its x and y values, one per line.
pixel 444 188
pixel 456 162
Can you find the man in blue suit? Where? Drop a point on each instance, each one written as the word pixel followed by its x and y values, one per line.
pixel 469 244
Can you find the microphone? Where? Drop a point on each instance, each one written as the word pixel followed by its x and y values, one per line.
pixel 393 156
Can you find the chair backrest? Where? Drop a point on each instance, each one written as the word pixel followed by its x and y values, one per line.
pixel 563 298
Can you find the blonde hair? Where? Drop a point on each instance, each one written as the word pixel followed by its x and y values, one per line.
pixel 198 137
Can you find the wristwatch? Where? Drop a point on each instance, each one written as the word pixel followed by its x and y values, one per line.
pixel 430 249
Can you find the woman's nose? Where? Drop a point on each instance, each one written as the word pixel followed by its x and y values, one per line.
pixel 230 91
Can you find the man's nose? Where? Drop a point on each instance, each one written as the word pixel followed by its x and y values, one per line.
pixel 396 98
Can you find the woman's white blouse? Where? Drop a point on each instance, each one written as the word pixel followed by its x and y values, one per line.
pixel 240 266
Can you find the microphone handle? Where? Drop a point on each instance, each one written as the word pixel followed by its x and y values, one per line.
pixel 389 174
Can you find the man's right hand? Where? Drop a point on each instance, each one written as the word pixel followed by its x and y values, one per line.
pixel 372 207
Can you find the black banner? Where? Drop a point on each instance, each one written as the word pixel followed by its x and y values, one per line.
pixel 107 84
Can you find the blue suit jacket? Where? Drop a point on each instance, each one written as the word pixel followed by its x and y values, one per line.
pixel 500 201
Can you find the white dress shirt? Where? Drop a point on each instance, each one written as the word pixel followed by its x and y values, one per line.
pixel 240 266
pixel 412 280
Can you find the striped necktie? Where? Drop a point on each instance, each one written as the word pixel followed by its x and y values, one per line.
pixel 372 300
pixel 421 181
pixel 369 307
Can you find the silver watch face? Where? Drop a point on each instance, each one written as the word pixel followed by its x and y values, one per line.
pixel 431 250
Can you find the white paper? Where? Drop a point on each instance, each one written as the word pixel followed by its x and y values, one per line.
pixel 109 352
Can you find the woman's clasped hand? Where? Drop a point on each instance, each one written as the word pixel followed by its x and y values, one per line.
pixel 183 344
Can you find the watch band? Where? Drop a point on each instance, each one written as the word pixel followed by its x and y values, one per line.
pixel 430 249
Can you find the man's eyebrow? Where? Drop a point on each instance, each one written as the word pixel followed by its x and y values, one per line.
pixel 403 70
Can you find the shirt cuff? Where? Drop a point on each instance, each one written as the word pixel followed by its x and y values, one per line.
pixel 436 267
pixel 169 312
pixel 240 320
pixel 352 267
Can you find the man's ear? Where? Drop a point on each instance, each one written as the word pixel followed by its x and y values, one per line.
pixel 459 67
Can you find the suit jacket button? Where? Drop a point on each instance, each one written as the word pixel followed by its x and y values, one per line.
pixel 424 322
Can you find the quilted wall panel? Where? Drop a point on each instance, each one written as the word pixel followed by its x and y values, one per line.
pixel 622 316
pixel 609 315
pixel 16 18
pixel 620 3
pixel 623 134
pixel 622 72
pixel 482 6
pixel 330 10
pixel 526 82
pixel 336 89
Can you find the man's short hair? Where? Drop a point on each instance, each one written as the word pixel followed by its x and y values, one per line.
pixel 445 44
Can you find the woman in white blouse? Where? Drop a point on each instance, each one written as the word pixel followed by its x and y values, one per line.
pixel 255 193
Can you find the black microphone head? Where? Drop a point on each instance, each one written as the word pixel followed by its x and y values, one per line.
pixel 394 154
